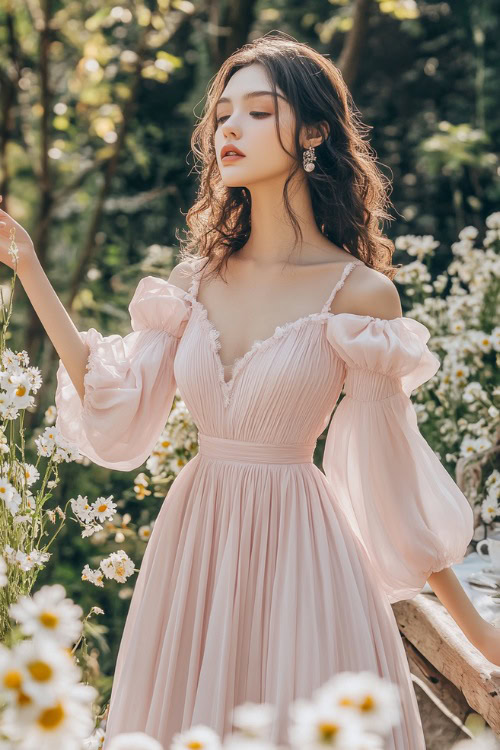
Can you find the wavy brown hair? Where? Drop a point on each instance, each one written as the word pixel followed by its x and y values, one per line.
pixel 349 194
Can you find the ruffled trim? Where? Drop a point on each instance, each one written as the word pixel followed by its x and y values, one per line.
pixel 259 345
pixel 396 347
pixel 159 305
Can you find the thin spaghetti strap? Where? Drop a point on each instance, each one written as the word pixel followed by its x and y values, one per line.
pixel 340 283
pixel 195 278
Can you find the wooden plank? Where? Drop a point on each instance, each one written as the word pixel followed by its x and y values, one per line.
pixel 430 628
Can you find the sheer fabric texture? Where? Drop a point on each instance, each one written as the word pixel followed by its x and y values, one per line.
pixel 264 576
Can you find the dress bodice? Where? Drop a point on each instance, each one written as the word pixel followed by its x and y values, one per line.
pixel 282 390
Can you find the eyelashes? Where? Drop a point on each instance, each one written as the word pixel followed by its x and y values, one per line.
pixel 259 115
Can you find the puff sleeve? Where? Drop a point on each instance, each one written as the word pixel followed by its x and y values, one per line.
pixel 129 383
pixel 409 514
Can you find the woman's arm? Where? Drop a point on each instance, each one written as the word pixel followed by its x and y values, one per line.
pixel 49 308
pixel 371 293
pixel 482 634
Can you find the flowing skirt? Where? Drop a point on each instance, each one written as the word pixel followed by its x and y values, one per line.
pixel 252 588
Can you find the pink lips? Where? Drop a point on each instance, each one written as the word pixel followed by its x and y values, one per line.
pixel 231 147
pixel 231 158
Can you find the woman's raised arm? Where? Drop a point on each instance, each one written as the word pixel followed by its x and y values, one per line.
pixel 57 323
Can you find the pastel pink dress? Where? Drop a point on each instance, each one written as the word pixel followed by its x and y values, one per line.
pixel 264 576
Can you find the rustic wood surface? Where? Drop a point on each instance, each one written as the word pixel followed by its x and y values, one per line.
pixel 434 634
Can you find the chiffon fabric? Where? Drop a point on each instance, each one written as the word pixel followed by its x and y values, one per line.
pixel 265 576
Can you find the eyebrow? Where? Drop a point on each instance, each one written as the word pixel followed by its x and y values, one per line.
pixel 249 95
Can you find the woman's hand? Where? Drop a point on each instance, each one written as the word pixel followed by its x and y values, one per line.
pixel 489 643
pixel 26 250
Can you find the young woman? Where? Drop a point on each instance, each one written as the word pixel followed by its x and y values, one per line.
pixel 264 576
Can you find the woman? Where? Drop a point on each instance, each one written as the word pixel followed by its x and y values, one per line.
pixel 264 576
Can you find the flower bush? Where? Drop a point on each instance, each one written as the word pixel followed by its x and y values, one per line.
pixel 458 409
pixel 28 527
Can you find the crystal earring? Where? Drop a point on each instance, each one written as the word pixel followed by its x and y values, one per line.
pixel 308 158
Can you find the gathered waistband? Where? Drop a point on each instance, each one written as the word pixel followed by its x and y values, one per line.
pixel 226 449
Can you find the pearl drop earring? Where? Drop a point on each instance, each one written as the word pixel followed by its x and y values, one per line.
pixel 308 158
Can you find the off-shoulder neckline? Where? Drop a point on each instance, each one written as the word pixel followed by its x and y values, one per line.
pixel 259 345
pixel 313 314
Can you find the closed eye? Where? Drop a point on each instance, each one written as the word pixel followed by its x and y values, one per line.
pixel 256 114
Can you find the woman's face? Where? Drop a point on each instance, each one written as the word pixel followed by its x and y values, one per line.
pixel 249 123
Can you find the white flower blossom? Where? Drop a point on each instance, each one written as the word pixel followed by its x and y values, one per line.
pixel 49 613
pixel 91 529
pixel 93 576
pixel 199 736
pixel 489 510
pixel 104 508
pixel 117 566
pixel 46 671
pixel 144 532
pixel 493 220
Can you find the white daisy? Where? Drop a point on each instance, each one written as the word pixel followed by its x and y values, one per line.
pixel 24 561
pixel 91 529
pixel 82 509
pixel 313 725
pixel 144 532
pixel 9 495
pixel 104 508
pixel 11 676
pixel 9 360
pixel 483 341
pixel 118 566
pixel 46 442
pixel 31 474
pixel 254 719
pixel 18 388
pixel 35 378
pixel 93 576
pixel 373 700
pixel 493 479
pixel 489 510
pixel 468 446
pixel 62 725
pixel 46 670
pixel 6 489
pixel 49 613
pixel 50 415
pixel 457 326
pixel 95 741
pixel 199 736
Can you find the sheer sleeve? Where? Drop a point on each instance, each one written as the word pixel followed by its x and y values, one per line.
pixel 401 502
pixel 129 383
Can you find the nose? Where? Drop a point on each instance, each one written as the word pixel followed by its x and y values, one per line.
pixel 229 126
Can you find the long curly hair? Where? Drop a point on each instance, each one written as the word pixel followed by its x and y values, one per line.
pixel 349 193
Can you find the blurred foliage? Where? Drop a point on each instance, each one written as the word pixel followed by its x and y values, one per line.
pixel 98 103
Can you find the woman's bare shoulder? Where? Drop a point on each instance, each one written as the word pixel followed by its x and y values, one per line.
pixel 369 292
pixel 182 274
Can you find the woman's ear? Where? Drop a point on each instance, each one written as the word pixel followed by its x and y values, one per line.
pixel 315 135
